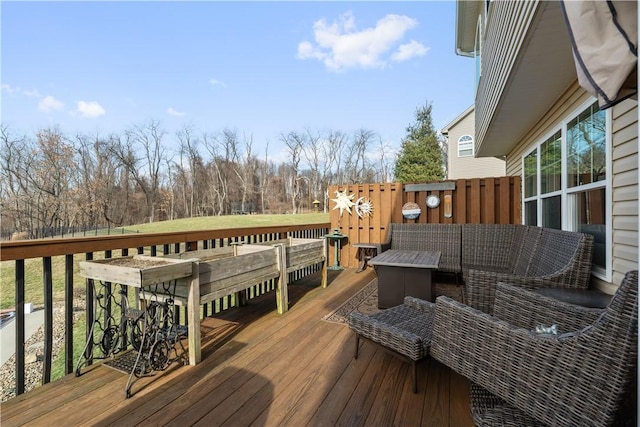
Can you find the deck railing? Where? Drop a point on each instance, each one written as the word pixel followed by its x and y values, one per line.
pixel 153 244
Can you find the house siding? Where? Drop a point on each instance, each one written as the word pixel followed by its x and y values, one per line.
pixel 511 20
pixel 469 167
pixel 624 173
pixel 624 187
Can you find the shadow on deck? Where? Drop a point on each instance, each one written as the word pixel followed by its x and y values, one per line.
pixel 262 369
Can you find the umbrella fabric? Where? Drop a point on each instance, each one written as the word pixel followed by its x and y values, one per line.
pixel 604 36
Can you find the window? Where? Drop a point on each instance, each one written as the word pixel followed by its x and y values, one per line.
pixel 565 182
pixel 465 146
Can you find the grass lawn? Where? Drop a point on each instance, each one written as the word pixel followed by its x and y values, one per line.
pixel 34 291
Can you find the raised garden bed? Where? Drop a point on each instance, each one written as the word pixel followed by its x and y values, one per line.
pixel 301 253
pixel 224 271
pixel 136 270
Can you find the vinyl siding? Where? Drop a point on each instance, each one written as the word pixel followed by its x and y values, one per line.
pixel 625 188
pixel 511 20
pixel 469 167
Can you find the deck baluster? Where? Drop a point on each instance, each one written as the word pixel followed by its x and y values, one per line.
pixel 90 310
pixel 47 279
pixel 20 363
pixel 20 251
pixel 68 313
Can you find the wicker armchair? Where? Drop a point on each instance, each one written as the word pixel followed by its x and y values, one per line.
pixel 539 257
pixel 403 330
pixel 583 376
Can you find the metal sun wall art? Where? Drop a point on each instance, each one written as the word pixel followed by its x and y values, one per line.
pixel 362 207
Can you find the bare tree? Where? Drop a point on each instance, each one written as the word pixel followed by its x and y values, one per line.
pixel 294 144
pixel 102 186
pixel 16 158
pixel 219 159
pixel 263 173
pixel 312 151
pixel 142 152
pixel 385 161
pixel 333 153
pixel 356 165
pixel 189 148
pixel 50 179
pixel 244 167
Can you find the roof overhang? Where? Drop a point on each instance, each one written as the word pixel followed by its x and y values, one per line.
pixel 543 70
pixel 467 13
pixel 454 122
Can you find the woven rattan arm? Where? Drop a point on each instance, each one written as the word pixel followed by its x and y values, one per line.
pixel 480 286
pixel 523 308
pixel 576 378
pixel 420 304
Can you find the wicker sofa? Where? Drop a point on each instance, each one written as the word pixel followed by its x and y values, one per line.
pixel 488 253
pixel 585 375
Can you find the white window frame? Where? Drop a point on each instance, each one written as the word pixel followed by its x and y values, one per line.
pixel 606 273
pixel 470 142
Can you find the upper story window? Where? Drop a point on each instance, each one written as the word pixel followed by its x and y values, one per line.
pixel 465 146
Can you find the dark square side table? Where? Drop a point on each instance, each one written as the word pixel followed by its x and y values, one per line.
pixel 404 273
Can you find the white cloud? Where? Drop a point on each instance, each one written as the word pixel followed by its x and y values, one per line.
pixel 90 109
pixel 13 90
pixel 216 82
pixel 49 104
pixel 341 45
pixel 33 93
pixel 409 50
pixel 172 112
pixel 10 89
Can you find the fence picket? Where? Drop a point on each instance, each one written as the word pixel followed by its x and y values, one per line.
pixel 479 200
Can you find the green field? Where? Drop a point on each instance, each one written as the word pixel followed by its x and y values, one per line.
pixel 33 267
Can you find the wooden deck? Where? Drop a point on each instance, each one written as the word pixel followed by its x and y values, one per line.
pixel 262 369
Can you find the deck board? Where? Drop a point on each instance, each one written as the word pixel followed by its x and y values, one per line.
pixel 264 369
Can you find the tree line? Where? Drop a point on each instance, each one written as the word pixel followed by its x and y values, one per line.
pixel 146 175
pixel 53 180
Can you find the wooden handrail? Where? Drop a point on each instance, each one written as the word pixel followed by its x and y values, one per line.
pixel 26 249
pixel 45 249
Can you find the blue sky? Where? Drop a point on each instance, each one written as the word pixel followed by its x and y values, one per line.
pixel 261 68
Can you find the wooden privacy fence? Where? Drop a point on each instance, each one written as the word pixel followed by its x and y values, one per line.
pixel 472 201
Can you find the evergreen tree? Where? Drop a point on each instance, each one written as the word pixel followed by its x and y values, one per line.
pixel 420 157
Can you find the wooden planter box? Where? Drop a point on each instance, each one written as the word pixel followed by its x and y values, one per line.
pixel 301 253
pixel 225 271
pixel 136 270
